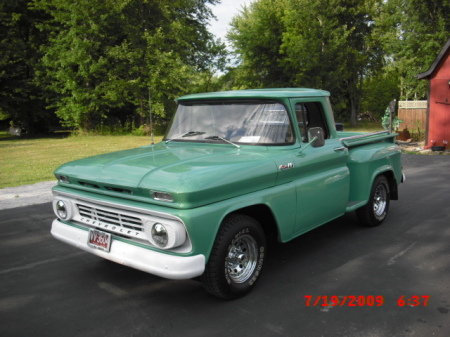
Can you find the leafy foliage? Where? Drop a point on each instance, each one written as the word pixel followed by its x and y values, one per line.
pixel 105 56
pixel 412 32
pixel 378 91
pixel 321 44
pixel 256 35
pixel 345 46
pixel 390 123
pixel 94 64
pixel 21 98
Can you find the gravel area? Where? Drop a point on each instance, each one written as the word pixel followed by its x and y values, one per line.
pixel 39 193
pixel 418 147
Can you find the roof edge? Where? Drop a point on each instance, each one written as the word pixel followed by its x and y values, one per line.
pixel 269 93
pixel 438 59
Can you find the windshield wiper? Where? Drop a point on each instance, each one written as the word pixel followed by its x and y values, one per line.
pixel 220 138
pixel 187 134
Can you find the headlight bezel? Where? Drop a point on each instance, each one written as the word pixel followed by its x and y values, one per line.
pixel 62 208
pixel 174 231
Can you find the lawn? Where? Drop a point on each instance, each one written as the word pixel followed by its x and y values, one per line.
pixel 364 127
pixel 28 161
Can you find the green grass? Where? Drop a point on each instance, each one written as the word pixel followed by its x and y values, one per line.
pixel 364 127
pixel 28 161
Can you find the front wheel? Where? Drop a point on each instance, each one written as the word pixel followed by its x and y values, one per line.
pixel 236 259
pixel 375 211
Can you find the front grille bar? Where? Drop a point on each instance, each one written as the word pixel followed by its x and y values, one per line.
pixel 113 218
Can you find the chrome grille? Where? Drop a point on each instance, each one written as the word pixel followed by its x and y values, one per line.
pixel 114 218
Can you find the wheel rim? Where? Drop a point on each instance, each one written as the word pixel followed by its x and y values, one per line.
pixel 380 201
pixel 242 259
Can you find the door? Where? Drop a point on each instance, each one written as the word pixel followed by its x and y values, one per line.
pixel 322 176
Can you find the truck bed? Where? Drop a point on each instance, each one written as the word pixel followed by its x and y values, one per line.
pixel 351 139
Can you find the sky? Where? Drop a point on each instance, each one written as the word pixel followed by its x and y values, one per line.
pixel 224 13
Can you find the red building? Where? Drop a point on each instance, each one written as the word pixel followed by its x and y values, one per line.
pixel 438 118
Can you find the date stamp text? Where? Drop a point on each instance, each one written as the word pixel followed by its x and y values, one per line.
pixel 361 301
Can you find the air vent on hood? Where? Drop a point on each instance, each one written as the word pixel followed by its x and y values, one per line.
pixel 120 190
pixel 88 184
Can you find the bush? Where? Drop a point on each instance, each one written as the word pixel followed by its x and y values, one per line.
pixel 418 135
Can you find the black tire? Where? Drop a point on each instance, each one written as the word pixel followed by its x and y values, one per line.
pixel 376 209
pixel 236 259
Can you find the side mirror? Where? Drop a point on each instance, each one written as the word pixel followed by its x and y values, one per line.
pixel 317 137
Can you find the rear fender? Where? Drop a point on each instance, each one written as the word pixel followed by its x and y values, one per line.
pixel 368 162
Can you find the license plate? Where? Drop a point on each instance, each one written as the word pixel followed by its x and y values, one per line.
pixel 99 240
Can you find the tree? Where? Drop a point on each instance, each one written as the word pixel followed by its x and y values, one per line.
pixel 379 90
pixel 412 32
pixel 22 100
pixel 105 56
pixel 256 35
pixel 324 44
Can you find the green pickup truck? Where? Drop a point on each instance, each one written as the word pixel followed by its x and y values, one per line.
pixel 235 170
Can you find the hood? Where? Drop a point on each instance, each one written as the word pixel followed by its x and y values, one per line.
pixel 193 174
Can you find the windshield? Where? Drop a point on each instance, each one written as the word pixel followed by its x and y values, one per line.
pixel 237 122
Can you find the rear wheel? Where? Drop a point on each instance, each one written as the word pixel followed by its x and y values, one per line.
pixel 237 258
pixel 375 211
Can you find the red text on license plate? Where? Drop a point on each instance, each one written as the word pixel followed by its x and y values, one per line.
pixel 100 240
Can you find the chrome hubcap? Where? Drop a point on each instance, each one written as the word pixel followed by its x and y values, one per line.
pixel 242 259
pixel 379 202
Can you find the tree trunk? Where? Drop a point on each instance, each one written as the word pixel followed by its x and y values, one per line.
pixel 353 113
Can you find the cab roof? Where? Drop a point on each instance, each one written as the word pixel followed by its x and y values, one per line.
pixel 274 93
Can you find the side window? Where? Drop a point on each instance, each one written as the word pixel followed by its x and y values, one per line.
pixel 310 115
pixel 302 120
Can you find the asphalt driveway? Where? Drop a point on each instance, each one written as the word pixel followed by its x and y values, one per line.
pixel 401 270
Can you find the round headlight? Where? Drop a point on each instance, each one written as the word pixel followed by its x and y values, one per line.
pixel 165 233
pixel 61 209
pixel 160 235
